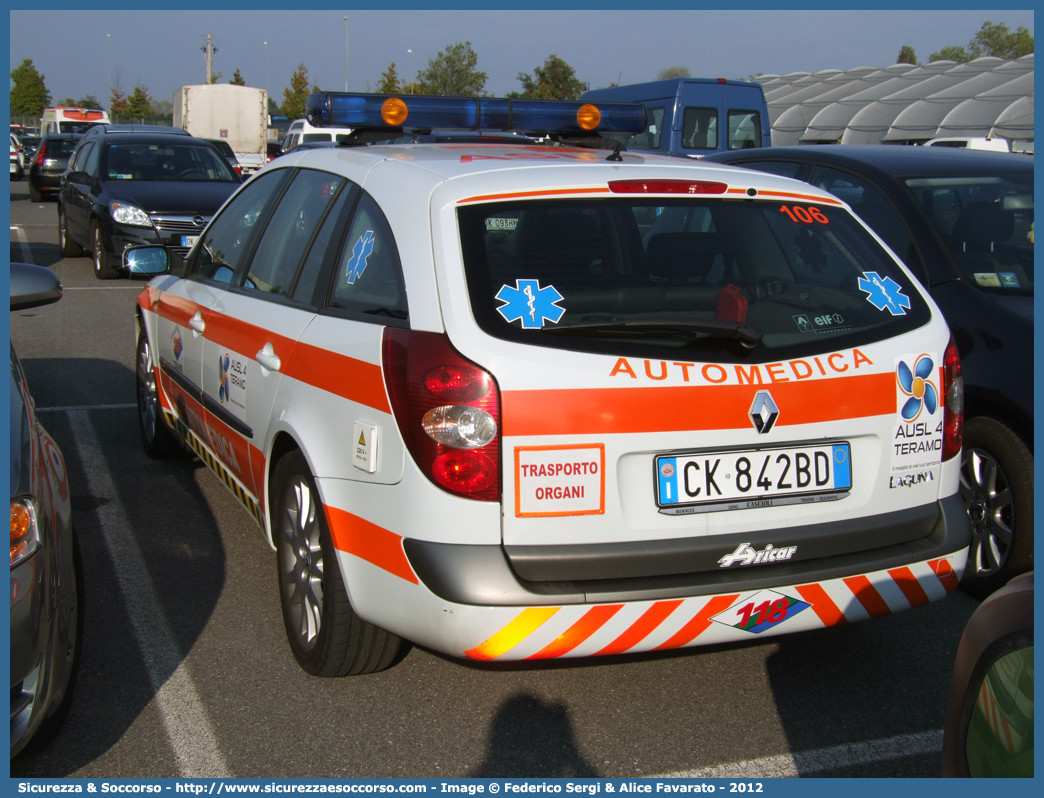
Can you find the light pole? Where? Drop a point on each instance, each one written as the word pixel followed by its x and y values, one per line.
pixel 411 70
pixel 346 54
pixel 266 72
pixel 108 39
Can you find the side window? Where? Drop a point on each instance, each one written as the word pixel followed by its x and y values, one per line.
pixel 369 277
pixel 292 226
pixel 872 207
pixel 226 237
pixel 80 157
pixel 700 129
pixel 308 279
pixel 744 129
pixel 90 163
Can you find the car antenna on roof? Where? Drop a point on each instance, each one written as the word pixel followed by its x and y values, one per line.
pixel 615 154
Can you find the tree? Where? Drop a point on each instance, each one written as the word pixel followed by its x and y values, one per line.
pixel 953 52
pixel 674 72
pixel 29 95
pixel 139 105
pixel 997 40
pixel 89 101
pixel 273 108
pixel 452 73
pixel 296 93
pixel 68 102
pixel 906 55
pixel 237 79
pixel 389 81
pixel 555 80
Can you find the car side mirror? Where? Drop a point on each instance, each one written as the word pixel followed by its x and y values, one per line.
pixel 146 261
pixel 80 177
pixel 33 286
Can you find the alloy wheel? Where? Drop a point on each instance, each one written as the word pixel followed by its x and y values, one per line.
pixel 301 561
pixel 987 495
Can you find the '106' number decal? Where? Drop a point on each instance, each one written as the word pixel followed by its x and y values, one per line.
pixel 806 215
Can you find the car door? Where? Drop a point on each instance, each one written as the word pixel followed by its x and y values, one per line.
pixel 256 324
pixel 78 197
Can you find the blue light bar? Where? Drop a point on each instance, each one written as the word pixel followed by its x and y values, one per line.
pixel 341 109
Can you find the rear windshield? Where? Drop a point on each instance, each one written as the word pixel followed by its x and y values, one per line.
pixel 734 279
pixel 59 148
pixel 986 223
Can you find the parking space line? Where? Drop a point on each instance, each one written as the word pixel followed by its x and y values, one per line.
pixel 23 243
pixel 185 718
pixel 804 763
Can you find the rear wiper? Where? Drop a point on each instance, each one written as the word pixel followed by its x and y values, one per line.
pixel 746 334
pixel 394 313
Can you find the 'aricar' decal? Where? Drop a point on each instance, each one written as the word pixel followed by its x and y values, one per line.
pixel 884 293
pixel 530 303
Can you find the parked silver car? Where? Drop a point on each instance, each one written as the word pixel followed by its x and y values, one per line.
pixel 46 575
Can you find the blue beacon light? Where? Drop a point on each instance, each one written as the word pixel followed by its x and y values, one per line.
pixel 342 109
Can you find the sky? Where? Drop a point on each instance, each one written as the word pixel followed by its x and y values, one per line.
pixel 161 50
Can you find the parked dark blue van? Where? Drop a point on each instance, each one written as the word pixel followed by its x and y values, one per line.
pixel 694 116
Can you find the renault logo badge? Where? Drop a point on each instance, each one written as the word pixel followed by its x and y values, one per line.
pixel 763 412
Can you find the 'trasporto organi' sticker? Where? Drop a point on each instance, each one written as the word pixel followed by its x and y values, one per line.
pixel 917 434
pixel 884 293
pixel 530 303
pixel 559 480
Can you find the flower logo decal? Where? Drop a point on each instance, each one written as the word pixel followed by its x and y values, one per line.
pixel 223 378
pixel 915 384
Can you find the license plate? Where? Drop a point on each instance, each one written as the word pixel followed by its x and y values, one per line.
pixel 188 241
pixel 702 482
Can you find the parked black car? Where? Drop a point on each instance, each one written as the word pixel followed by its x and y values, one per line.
pixel 227 153
pixel 46 574
pixel 46 167
pixel 962 221
pixel 134 185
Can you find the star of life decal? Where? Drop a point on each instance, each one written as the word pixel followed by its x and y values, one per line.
pixel 360 254
pixel 884 293
pixel 530 303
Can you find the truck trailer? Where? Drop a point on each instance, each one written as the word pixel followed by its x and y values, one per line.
pixel 236 114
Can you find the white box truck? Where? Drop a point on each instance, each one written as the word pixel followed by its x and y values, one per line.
pixel 236 114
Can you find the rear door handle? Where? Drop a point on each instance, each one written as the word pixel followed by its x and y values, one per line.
pixel 197 323
pixel 268 358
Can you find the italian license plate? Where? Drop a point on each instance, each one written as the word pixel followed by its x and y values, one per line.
pixel 701 482
pixel 188 241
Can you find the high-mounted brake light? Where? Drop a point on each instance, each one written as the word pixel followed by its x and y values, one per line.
pixel 343 109
pixel 448 411
pixel 39 159
pixel 666 187
pixel 953 402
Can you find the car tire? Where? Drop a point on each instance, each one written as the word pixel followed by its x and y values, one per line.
pixel 159 442
pixel 326 637
pixel 34 195
pixel 70 249
pixel 997 487
pixel 103 268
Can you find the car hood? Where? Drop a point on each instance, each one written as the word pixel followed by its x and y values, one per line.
pixel 168 196
pixel 1019 305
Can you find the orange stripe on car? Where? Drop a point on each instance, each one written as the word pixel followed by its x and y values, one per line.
pixel 946 574
pixel 642 628
pixel 524 624
pixel 868 596
pixel 591 621
pixel 548 192
pixel 910 586
pixel 822 604
pixel 369 542
pixel 788 195
pixel 600 411
pixel 698 624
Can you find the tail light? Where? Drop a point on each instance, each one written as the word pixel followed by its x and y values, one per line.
pixel 448 411
pixel 238 168
pixel 39 159
pixel 953 404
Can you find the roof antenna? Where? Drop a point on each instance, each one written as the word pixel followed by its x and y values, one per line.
pixel 615 154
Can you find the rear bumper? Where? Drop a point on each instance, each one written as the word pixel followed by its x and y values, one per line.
pixel 653 570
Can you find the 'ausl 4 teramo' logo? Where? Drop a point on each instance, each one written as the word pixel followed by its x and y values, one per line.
pixel 918 431
pixel 176 343
pixel 761 611
pixel 916 386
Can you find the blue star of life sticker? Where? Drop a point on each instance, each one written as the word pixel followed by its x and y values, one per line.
pixel 530 303
pixel 360 254
pixel 884 293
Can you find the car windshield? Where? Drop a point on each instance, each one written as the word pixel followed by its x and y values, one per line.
pixel 166 161
pixel 986 223
pixel 729 277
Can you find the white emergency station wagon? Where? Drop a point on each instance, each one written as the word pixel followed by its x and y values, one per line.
pixel 523 401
